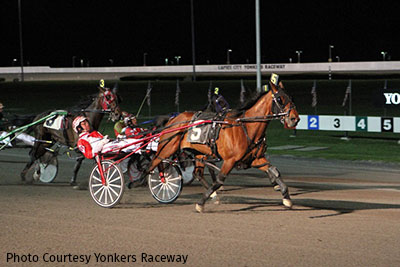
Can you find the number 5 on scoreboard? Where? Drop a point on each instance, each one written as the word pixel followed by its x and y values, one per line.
pixel 361 124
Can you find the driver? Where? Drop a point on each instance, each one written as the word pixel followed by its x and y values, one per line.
pixel 92 142
pixel 218 103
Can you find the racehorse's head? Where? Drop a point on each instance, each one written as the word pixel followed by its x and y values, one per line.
pixel 110 102
pixel 283 104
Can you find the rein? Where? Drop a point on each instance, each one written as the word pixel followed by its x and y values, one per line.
pixel 96 110
pixel 263 118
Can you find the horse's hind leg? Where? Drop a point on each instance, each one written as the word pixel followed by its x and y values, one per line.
pixel 225 169
pixel 36 152
pixel 198 173
pixel 76 169
pixel 275 178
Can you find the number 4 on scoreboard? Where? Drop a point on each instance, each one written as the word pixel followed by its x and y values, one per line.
pixel 361 124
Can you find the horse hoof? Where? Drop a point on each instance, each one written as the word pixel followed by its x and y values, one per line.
pixel 80 187
pixel 287 203
pixel 214 198
pixel 36 176
pixel 277 188
pixel 73 183
pixel 199 208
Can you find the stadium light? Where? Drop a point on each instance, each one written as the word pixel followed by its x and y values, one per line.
pixel 227 56
pixel 298 52
pixel 338 58
pixel 330 53
pixel 383 55
pixel 177 59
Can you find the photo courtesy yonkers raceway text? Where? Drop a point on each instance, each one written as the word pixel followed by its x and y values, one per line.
pixel 143 257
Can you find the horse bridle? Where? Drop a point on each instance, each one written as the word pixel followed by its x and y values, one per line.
pixel 108 97
pixel 279 107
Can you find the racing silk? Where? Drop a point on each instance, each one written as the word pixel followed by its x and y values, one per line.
pixel 221 105
pixel 119 127
pixel 134 132
pixel 91 143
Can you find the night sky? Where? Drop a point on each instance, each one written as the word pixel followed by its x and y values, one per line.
pixel 56 30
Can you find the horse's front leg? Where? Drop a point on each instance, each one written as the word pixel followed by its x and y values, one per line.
pixel 275 177
pixel 76 169
pixel 225 170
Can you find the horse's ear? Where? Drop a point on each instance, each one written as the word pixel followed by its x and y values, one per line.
pixel 273 87
pixel 281 85
pixel 102 90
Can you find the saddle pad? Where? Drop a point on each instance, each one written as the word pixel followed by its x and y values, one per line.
pixel 199 134
pixel 55 122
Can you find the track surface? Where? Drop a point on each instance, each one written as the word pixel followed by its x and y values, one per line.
pixel 344 214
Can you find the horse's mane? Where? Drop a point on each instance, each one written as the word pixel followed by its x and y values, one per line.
pixel 83 103
pixel 253 98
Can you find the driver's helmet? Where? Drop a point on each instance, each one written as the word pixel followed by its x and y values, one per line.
pixel 128 119
pixel 77 122
pixel 124 114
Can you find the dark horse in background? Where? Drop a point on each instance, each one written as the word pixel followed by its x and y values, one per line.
pixel 105 101
pixel 241 140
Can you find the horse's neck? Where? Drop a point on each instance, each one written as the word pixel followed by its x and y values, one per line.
pixel 263 107
pixel 93 116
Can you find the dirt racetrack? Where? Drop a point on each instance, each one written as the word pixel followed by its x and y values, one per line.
pixel 344 214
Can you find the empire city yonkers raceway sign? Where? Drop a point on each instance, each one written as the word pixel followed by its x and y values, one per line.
pixel 349 123
pixel 248 67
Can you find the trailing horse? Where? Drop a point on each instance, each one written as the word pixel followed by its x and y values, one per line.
pixel 105 101
pixel 241 141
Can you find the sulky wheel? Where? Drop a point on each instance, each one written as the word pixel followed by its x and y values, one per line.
pixel 109 194
pixel 165 183
pixel 48 168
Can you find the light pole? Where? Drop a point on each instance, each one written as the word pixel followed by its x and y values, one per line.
pixel 383 55
pixel 166 61
pixel 338 58
pixel 227 56
pixel 330 53
pixel 144 58
pixel 177 59
pixel 21 49
pixel 14 62
pixel 111 62
pixel 298 52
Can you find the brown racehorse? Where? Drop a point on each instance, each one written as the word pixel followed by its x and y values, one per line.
pixel 106 100
pixel 241 140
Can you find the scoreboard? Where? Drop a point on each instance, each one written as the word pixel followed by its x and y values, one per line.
pixel 349 123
